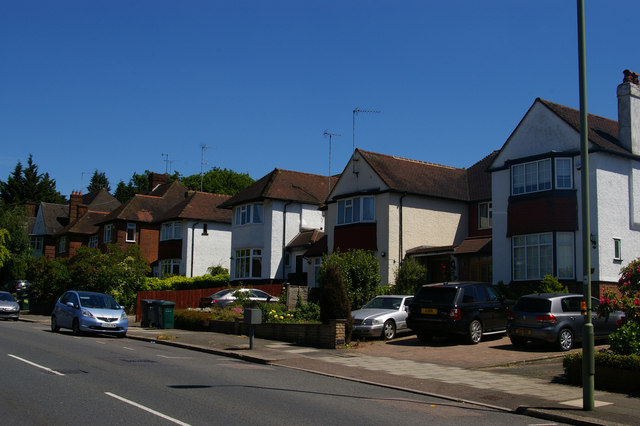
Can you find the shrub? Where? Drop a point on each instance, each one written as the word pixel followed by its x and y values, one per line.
pixel 191 320
pixel 334 302
pixel 360 272
pixel 551 284
pixel 626 339
pixel 410 275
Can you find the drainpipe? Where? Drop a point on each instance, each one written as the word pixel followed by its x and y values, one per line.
pixel 401 251
pixel 193 239
pixel 284 236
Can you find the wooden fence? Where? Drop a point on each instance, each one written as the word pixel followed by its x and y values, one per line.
pixel 191 298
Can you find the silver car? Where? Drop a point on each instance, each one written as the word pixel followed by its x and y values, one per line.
pixel 556 318
pixel 226 297
pixel 9 308
pixel 382 316
pixel 85 311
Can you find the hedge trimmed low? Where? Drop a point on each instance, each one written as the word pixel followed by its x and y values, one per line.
pixel 615 373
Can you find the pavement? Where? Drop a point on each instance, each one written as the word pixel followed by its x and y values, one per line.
pixel 492 374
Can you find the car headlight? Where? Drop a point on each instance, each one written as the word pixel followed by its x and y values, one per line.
pixel 86 313
pixel 370 321
pixel 123 316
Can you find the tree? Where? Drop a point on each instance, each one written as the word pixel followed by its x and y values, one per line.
pixel 334 302
pixel 360 271
pixel 219 181
pixel 13 219
pixel 409 277
pixel 27 184
pixel 138 184
pixel 98 181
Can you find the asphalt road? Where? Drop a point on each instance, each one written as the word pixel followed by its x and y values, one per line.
pixel 57 378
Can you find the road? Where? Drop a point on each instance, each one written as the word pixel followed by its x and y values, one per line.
pixel 57 378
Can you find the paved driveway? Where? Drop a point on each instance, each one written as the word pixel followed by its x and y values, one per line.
pixel 491 352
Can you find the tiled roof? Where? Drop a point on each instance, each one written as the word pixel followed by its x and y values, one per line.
pixel 287 186
pixel 473 245
pixel 305 238
pixel 148 208
pixel 318 248
pixel 87 224
pixel 603 132
pixel 55 216
pixel 199 206
pixel 422 178
pixel 100 201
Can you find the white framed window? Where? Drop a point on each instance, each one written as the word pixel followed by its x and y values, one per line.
pixel 565 255
pixel 532 256
pixel 249 213
pixel 62 246
pixel 131 232
pixel 531 177
pixel 36 243
pixel 248 263
pixel 170 267
pixel 108 233
pixel 617 249
pixel 354 210
pixel 484 215
pixel 93 241
pixel 171 231
pixel 564 175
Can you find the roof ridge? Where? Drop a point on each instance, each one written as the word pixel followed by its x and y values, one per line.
pixel 546 102
pixel 300 173
pixel 412 160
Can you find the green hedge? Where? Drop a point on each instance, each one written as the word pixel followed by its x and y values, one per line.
pixel 617 373
pixel 178 282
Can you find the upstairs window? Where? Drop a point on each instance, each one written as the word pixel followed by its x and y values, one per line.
pixel 108 231
pixel 564 175
pixel 171 231
pixel 484 215
pixel 531 177
pixel 354 210
pixel 250 213
pixel 131 232
pixel 62 247
pixel 93 241
pixel 617 249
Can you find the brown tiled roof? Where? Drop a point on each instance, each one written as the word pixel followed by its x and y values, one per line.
pixel 86 224
pixel 199 206
pixel 305 238
pixel 430 250
pixel 285 185
pixel 474 245
pixel 479 179
pixel 148 208
pixel 318 248
pixel 55 216
pixel 422 178
pixel 100 201
pixel 603 132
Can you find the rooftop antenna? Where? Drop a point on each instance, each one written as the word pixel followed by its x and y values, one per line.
pixel 331 135
pixel 356 111
pixel 166 162
pixel 202 162
pixel 82 179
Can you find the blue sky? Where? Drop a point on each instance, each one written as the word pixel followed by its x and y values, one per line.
pixel 113 85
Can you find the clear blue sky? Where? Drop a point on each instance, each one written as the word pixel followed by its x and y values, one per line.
pixel 112 85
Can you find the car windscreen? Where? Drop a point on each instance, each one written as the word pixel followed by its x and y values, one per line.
pixel 6 297
pixel 383 303
pixel 98 301
pixel 220 293
pixel 532 304
pixel 436 295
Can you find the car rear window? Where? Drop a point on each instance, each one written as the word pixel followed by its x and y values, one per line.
pixel 531 304
pixel 436 295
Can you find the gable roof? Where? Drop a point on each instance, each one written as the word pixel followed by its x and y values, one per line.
pixel 86 224
pixel 100 201
pixel 429 179
pixel 305 239
pixel 199 206
pixel 55 216
pixel 285 185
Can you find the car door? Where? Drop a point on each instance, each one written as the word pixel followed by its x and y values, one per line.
pixel 64 312
pixel 401 322
pixel 571 315
pixel 497 309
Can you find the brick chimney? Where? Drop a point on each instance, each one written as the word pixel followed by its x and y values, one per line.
pixel 31 208
pixel 75 201
pixel 629 112
pixel 156 179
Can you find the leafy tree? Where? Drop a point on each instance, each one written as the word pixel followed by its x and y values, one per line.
pixel 360 271
pixel 409 277
pixel 219 181
pixel 98 181
pixel 334 301
pixel 4 251
pixel 27 184
pixel 13 219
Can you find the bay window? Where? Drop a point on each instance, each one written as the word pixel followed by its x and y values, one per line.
pixel 250 213
pixel 533 256
pixel 354 210
pixel 536 176
pixel 171 231
pixel 248 263
pixel 170 267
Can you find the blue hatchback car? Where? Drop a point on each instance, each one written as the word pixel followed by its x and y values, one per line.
pixel 85 311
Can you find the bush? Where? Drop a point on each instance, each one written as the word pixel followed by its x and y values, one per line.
pixel 410 275
pixel 617 373
pixel 178 282
pixel 551 284
pixel 334 302
pixel 360 272
pixel 191 320
pixel 626 339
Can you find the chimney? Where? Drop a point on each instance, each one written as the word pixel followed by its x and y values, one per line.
pixel 31 208
pixel 629 112
pixel 75 200
pixel 156 179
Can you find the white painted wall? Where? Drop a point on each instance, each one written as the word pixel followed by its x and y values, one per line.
pixel 209 250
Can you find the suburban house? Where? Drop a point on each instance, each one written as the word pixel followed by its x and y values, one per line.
pixel 536 194
pixel 136 221
pixel 59 229
pixel 194 235
pixel 399 207
pixel 274 220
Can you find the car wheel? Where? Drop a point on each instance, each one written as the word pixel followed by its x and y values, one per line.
pixel 423 336
pixel 565 339
pixel 518 341
pixel 475 332
pixel 54 325
pixel 75 327
pixel 389 330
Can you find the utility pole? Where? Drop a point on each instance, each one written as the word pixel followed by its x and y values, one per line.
pixel 202 162
pixel 357 110
pixel 588 360
pixel 327 133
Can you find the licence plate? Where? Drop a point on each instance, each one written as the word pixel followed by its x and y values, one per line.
pixel 521 331
pixel 429 311
pixel 109 325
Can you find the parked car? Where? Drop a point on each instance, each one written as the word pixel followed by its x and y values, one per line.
pixel 19 287
pixel 85 311
pixel 469 309
pixel 9 308
pixel 556 318
pixel 226 297
pixel 382 316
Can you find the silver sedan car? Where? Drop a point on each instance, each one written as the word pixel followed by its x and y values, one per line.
pixel 382 316
pixel 85 311
pixel 9 308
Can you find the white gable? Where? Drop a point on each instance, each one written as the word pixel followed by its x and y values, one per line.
pixel 358 176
